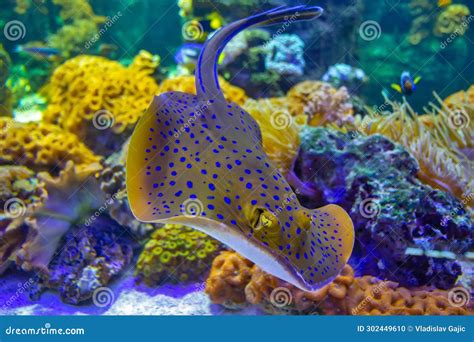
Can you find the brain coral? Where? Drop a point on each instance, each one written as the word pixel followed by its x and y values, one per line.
pixel 321 102
pixel 98 99
pixel 177 254
pixel 279 129
pixel 346 295
pixel 186 84
pixel 41 146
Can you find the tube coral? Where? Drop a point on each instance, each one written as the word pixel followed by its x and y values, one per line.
pixel 89 94
pixel 176 253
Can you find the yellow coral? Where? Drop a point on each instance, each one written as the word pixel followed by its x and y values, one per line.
pixel 280 130
pixel 176 253
pixel 41 146
pixel 322 103
pixel 87 89
pixel 187 84
pixel 452 20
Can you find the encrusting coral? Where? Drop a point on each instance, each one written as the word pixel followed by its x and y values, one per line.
pixel 345 295
pixel 176 253
pixel 100 100
pixel 91 256
pixel 41 146
pixel 322 103
pixel 280 130
pixel 186 84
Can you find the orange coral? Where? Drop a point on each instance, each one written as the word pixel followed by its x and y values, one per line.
pixel 89 94
pixel 321 102
pixel 230 273
pixel 346 295
pixel 280 130
pixel 186 84
pixel 41 146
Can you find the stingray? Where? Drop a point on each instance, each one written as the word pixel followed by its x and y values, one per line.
pixel 198 160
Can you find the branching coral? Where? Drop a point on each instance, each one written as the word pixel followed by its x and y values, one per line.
pixel 41 146
pixel 452 20
pixel 88 95
pixel 176 254
pixel 81 26
pixel 187 84
pixel 321 102
pixel 346 295
pixel 279 129
pixel 90 258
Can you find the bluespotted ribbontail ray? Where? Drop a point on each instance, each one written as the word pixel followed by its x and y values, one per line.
pixel 203 153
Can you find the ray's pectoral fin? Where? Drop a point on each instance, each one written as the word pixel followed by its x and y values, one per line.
pixel 323 245
pixel 163 156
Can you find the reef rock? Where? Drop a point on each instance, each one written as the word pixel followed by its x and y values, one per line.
pixel 90 257
pixel 401 229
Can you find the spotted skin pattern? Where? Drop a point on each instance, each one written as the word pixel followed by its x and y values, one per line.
pixel 203 149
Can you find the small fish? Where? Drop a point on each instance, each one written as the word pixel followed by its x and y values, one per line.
pixel 41 51
pixel 188 54
pixel 407 85
pixel 198 160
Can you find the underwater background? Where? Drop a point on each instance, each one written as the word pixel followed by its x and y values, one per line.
pixel 369 107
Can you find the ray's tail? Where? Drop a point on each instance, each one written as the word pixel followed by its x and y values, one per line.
pixel 207 84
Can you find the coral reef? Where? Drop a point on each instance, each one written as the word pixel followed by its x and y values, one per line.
pixel 41 146
pixel 186 84
pixel 81 26
pixel 176 253
pixel 280 130
pixel 21 193
pixel 91 256
pixel 100 100
pixel 284 55
pixel 393 212
pixel 5 93
pixel 438 141
pixel 452 20
pixel 346 295
pixel 321 102
pixel 340 74
pixel 230 273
